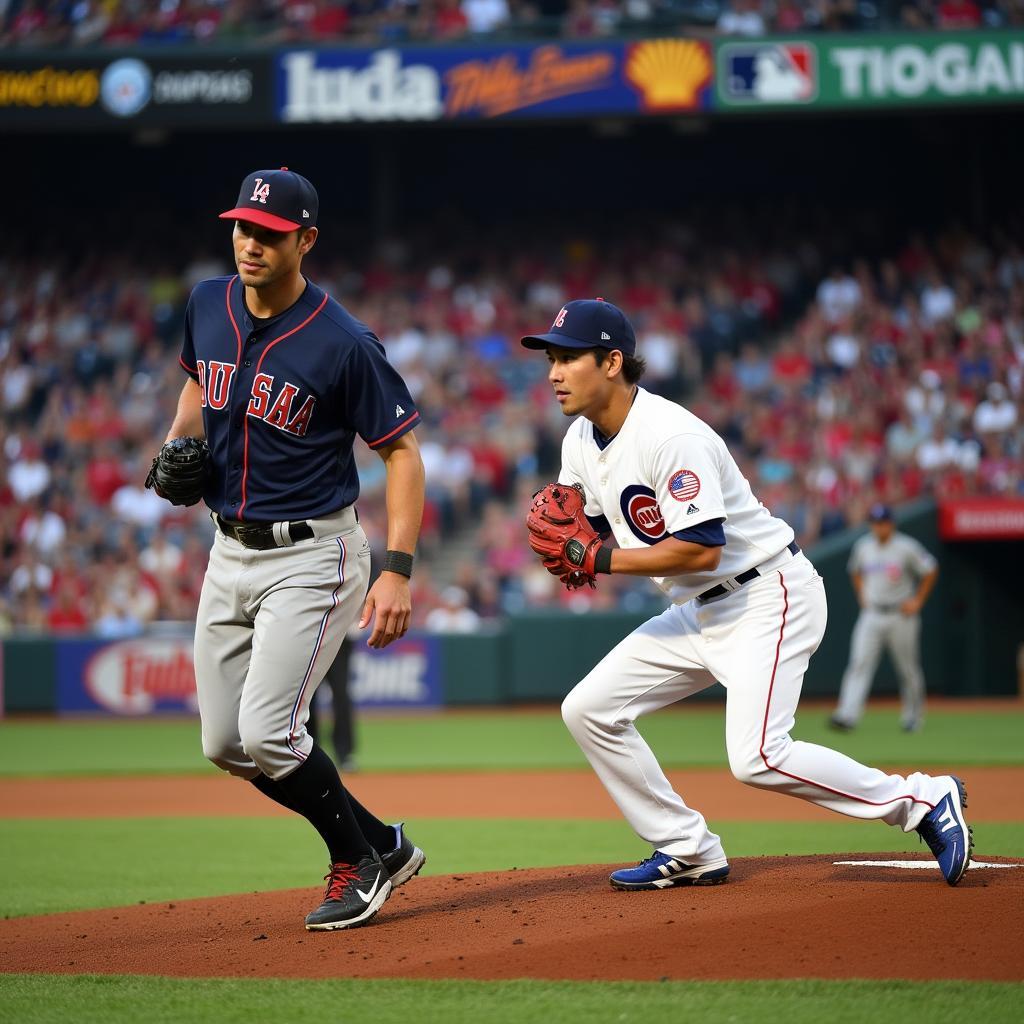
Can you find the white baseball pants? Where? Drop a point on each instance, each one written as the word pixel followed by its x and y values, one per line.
pixel 757 641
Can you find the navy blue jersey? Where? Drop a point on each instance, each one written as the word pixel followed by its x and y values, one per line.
pixel 283 400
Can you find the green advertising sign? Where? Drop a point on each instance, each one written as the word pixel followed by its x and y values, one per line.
pixel 935 68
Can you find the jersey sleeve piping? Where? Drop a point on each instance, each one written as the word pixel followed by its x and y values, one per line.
pixel 192 371
pixel 407 424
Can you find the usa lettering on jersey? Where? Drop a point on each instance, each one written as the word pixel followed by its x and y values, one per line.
pixel 215 383
pixel 215 389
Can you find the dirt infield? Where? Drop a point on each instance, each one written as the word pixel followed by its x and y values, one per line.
pixel 994 796
pixel 779 917
pixel 789 917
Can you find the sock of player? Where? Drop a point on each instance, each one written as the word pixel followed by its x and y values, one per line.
pixel 268 787
pixel 314 790
pixel 381 837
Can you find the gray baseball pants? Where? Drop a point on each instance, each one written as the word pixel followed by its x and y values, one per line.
pixel 268 627
pixel 874 631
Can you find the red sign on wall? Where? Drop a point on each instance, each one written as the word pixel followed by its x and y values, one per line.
pixel 982 519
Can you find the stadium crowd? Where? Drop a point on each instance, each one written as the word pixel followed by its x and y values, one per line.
pixel 123 23
pixel 836 384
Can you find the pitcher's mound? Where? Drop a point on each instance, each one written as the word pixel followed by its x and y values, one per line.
pixel 778 917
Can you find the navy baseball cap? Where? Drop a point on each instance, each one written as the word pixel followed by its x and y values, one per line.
pixel 879 513
pixel 280 200
pixel 587 323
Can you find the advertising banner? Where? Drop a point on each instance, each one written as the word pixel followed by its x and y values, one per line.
pixel 982 519
pixel 154 675
pixel 405 674
pixel 651 76
pixel 143 90
pixel 869 70
pixel 145 676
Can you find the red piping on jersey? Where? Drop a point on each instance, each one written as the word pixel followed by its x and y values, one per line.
pixel 380 440
pixel 270 345
pixel 231 317
pixel 192 371
pixel 764 726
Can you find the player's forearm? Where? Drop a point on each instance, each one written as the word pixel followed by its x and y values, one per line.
pixel 404 493
pixel 669 558
pixel 188 420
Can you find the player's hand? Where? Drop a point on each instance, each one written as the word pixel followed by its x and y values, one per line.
pixel 389 604
pixel 911 606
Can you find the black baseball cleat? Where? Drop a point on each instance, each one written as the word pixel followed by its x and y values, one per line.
pixel 839 725
pixel 355 892
pixel 405 860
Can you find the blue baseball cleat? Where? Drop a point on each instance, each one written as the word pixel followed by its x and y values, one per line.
pixel 663 872
pixel 947 834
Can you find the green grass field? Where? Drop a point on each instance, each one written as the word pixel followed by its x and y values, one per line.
pixel 119 861
pixel 491 741
pixel 98 1000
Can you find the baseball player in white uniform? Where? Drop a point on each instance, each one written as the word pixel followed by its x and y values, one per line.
pixel 892 575
pixel 747 610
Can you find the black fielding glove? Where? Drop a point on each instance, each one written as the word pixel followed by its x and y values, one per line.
pixel 180 470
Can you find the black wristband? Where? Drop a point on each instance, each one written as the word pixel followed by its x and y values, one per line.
pixel 603 561
pixel 397 561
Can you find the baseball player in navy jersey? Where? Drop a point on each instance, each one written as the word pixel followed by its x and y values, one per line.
pixel 280 381
pixel 747 609
pixel 892 575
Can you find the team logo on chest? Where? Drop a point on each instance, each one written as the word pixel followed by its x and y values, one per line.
pixel 279 409
pixel 640 507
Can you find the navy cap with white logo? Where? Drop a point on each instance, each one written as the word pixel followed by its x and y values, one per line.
pixel 879 513
pixel 587 323
pixel 280 200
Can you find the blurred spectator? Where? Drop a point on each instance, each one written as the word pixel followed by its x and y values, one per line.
pixel 453 614
pixel 958 14
pixel 116 622
pixel 901 376
pixel 838 295
pixel 742 18
pixel 127 23
pixel 995 414
pixel 485 15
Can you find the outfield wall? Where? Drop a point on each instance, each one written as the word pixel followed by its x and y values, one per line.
pixel 972 634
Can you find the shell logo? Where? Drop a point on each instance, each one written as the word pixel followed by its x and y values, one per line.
pixel 136 677
pixel 669 73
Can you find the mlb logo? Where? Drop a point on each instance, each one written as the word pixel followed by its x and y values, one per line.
pixel 750 73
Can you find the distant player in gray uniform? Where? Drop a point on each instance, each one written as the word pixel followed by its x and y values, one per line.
pixel 893 576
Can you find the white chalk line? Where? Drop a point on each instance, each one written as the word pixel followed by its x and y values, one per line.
pixel 917 865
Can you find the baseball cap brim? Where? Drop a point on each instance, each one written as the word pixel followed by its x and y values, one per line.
pixel 541 341
pixel 265 220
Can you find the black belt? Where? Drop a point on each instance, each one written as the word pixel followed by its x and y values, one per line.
pixel 885 609
pixel 744 577
pixel 261 535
